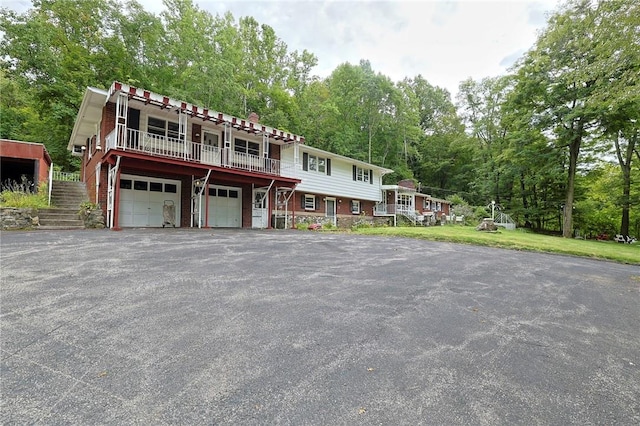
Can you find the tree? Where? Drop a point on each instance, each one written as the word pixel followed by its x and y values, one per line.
pixel 558 79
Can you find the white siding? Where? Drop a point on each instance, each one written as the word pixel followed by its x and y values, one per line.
pixel 339 184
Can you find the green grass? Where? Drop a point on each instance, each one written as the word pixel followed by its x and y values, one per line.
pixel 516 240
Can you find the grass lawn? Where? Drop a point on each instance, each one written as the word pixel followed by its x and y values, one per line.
pixel 517 240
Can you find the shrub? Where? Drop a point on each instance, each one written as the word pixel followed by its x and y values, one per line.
pixel 21 195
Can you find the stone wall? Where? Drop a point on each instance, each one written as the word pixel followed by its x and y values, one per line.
pixel 15 218
pixel 93 219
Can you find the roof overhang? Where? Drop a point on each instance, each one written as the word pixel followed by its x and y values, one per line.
pixel 89 116
pixel 165 102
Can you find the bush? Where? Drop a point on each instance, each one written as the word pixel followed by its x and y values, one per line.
pixel 22 195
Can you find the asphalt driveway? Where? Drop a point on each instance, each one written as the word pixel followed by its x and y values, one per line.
pixel 289 327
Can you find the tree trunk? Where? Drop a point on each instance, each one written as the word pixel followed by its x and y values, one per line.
pixel 625 166
pixel 574 150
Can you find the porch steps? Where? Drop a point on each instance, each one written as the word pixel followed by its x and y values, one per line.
pixel 66 198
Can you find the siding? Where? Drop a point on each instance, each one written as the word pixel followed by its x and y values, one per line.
pixel 339 184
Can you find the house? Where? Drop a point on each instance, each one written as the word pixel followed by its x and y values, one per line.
pixel 333 188
pixel 404 200
pixel 24 162
pixel 150 161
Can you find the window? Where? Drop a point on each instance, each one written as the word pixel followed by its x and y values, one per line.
pixel 247 147
pixel 140 185
pixel 362 175
pixel 427 204
pixel 169 187
pixel 155 186
pixel 313 163
pixel 159 127
pixel 212 192
pixel 309 202
pixel 233 193
pixel 355 206
pixel 211 139
pixel 126 184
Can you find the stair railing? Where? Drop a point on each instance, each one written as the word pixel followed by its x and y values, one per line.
pixel 50 182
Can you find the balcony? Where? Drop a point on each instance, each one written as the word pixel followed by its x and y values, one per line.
pixel 131 140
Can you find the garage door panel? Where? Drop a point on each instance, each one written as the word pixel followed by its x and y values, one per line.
pixel 144 206
pixel 225 207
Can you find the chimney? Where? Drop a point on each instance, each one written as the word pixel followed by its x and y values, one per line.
pixel 253 117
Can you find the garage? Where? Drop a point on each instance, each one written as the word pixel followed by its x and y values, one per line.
pixel 142 199
pixel 225 207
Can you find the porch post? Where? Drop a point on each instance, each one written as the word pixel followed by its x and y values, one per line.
pixel 115 214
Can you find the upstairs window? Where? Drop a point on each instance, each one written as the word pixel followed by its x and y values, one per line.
pixel 247 147
pixel 362 175
pixel 168 129
pixel 314 163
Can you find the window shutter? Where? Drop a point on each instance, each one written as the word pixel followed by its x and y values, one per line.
pixel 371 176
pixel 305 161
pixel 302 203
pixel 354 172
pixel 317 203
pixel 328 166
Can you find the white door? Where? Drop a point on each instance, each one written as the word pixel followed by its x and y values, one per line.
pixel 259 209
pixel 331 210
pixel 225 207
pixel 143 200
pixel 211 148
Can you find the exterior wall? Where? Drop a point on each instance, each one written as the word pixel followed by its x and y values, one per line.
pixel 339 184
pixel 30 151
pixel 344 217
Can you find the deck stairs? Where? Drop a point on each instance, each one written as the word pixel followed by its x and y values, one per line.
pixel 503 219
pixel 66 198
pixel 413 217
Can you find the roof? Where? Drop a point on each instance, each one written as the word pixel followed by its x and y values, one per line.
pixel 332 155
pixel 90 113
pixel 45 153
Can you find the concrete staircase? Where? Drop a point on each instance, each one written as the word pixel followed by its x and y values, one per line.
pixel 66 198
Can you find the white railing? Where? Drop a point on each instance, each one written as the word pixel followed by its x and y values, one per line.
pixel 161 146
pixel 383 209
pixel 66 176
pixel 50 181
pixel 505 220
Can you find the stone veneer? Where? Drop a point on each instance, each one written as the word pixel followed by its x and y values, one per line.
pixel 18 218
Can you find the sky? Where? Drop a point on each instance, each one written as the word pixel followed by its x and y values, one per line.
pixel 446 41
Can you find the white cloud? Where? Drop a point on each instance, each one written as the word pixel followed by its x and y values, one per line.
pixel 445 41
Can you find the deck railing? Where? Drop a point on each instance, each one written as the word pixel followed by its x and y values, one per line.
pixel 161 146
pixel 383 209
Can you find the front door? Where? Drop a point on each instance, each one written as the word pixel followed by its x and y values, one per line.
pixel 211 148
pixel 331 210
pixel 259 210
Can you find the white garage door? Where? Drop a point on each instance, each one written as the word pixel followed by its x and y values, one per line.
pixel 225 207
pixel 142 201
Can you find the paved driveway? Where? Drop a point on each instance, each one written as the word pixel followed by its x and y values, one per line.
pixel 285 327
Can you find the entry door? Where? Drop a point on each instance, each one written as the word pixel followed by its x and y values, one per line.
pixel 211 148
pixel 331 210
pixel 259 209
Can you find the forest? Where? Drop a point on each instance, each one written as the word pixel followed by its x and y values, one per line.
pixel 554 142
